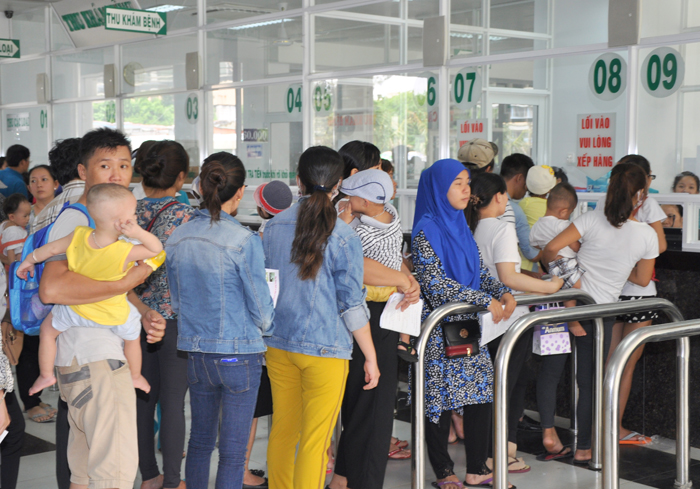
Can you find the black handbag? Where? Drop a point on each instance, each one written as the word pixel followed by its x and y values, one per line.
pixel 461 338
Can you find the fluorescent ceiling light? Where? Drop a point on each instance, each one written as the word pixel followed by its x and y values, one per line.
pixel 259 24
pixel 165 8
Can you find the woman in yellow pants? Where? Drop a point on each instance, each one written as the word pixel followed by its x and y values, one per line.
pixel 320 308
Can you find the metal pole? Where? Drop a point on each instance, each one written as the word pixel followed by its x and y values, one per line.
pixel 510 338
pixel 597 422
pixel 418 398
pixel 573 422
pixel 683 413
pixel 611 387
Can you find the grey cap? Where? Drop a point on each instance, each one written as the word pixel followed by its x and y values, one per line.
pixel 373 185
pixel 273 197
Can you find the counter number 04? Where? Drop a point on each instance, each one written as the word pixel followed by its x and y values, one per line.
pixel 294 99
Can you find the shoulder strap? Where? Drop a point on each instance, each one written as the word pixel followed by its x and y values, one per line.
pixel 11 243
pixel 80 207
pixel 153 221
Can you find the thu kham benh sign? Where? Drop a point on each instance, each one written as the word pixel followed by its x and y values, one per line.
pixel 130 20
pixel 595 144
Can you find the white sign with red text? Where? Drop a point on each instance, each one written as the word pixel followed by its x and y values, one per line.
pixel 472 129
pixel 595 144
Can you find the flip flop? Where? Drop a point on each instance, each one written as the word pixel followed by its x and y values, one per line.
pixel 399 454
pixel 36 417
pixel 520 469
pixel 634 439
pixel 401 443
pixel 581 462
pixel 565 452
pixel 444 483
pixel 488 483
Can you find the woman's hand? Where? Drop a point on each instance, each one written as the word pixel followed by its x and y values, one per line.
pixel 154 326
pixel 496 310
pixel 371 374
pixel 25 268
pixel 345 211
pixel 508 301
pixel 557 283
pixel 4 415
pixel 411 294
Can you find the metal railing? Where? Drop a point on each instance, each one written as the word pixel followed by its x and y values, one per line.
pixel 432 321
pixel 588 312
pixel 680 331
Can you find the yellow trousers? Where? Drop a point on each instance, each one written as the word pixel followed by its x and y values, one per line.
pixel 307 392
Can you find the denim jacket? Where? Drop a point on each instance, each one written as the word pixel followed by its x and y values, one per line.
pixel 316 317
pixel 216 273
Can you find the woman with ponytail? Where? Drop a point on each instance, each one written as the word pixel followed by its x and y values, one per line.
pixel 163 166
pixel 216 270
pixel 615 248
pixel 320 308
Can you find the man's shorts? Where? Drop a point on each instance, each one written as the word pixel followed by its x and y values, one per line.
pixel 102 445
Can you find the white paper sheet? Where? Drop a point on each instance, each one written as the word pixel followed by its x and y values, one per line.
pixel 273 282
pixel 407 321
pixel 490 330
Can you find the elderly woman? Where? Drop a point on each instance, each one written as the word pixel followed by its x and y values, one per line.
pixel 449 268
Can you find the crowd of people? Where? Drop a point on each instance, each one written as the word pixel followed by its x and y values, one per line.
pixel 154 297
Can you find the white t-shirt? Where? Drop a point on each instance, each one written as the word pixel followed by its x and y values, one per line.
pixel 12 233
pixel 649 213
pixel 498 243
pixel 609 254
pixel 545 230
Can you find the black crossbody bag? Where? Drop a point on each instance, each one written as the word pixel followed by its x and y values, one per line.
pixel 461 338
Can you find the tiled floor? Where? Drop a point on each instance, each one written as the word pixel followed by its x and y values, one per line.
pixel 37 471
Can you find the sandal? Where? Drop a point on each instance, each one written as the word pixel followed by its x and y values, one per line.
pixel 408 354
pixel 517 466
pixel 37 417
pixel 565 452
pixel 401 443
pixel 635 438
pixel 444 483
pixel 400 454
pixel 50 410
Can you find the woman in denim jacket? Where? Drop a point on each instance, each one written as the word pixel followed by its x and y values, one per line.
pixel 320 308
pixel 216 272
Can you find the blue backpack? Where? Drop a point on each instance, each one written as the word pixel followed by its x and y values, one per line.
pixel 26 308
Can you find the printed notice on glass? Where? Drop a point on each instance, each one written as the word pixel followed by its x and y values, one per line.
pixel 273 282
pixel 595 144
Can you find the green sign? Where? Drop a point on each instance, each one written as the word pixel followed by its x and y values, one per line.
pixel 294 98
pixel 466 88
pixel 323 100
pixel 607 77
pixel 662 72
pixel 9 48
pixel 43 119
pixel 18 122
pixel 130 20
pixel 192 108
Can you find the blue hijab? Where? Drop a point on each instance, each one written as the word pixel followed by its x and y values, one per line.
pixel 444 226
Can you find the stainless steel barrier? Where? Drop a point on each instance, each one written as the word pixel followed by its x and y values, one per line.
pixel 680 331
pixel 595 312
pixel 433 320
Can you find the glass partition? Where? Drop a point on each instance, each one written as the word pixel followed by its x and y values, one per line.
pixel 28 27
pixel 155 65
pixel 18 80
pixel 29 127
pixel 80 74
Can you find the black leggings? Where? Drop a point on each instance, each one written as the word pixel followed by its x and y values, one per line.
pixel 12 445
pixel 165 368
pixel 368 415
pixel 28 372
pixel 548 378
pixel 477 431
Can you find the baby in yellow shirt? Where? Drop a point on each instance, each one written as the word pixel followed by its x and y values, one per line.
pixel 100 254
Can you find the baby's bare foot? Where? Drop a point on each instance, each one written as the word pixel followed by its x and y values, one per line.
pixel 42 383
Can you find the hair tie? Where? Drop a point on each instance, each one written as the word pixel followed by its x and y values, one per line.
pixel 321 188
pixel 475 200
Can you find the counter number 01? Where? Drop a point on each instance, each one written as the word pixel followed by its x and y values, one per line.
pixel 662 72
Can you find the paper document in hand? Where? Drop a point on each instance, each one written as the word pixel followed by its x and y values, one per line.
pixel 490 330
pixel 407 321
pixel 273 281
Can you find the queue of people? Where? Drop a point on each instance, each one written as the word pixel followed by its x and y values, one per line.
pixel 133 330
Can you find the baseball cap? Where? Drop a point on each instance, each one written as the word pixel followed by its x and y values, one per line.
pixel 373 185
pixel 273 197
pixel 540 179
pixel 478 152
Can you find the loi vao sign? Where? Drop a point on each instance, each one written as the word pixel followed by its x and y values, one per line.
pixel 122 19
pixel 595 144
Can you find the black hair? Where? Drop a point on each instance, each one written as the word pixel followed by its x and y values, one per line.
pixel 475 170
pixel 686 174
pixel 560 174
pixel 15 154
pixel 359 155
pixel 516 164
pixel 41 167
pixel 319 170
pixel 102 138
pixel 563 194
pixel 12 203
pixel 626 180
pixel 638 160
pixel 140 153
pixel 64 158
pixel 162 164
pixel 484 187
pixel 222 175
pixel 387 166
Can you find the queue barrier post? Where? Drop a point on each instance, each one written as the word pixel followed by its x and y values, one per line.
pixel 587 312
pixel 680 331
pixel 431 322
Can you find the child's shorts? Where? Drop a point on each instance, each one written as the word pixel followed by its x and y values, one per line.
pixel 64 318
pixel 637 317
pixel 567 269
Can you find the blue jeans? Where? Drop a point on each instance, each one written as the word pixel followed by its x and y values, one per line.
pixel 220 381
